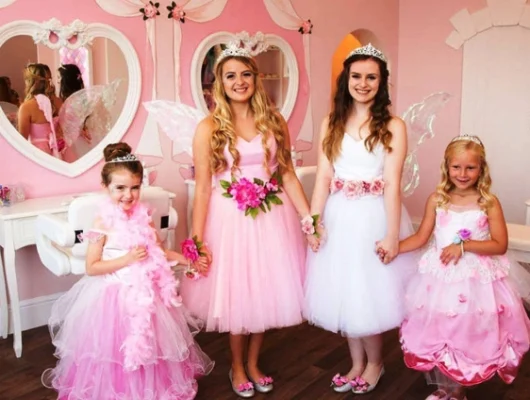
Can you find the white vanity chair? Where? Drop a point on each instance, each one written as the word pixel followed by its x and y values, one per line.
pixel 59 247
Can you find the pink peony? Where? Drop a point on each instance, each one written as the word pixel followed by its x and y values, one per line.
pixel 377 187
pixel 272 185
pixel 190 250
pixel 366 187
pixel 336 185
pixel 352 189
pixel 246 194
pixel 308 227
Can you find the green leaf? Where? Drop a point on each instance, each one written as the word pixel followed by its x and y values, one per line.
pixel 262 207
pixel 259 181
pixel 227 195
pixel 254 212
pixel 247 211
pixel 225 184
pixel 268 204
pixel 275 199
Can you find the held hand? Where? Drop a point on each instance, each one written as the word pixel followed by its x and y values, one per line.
pixel 202 265
pixel 314 242
pixel 136 254
pixel 453 252
pixel 387 249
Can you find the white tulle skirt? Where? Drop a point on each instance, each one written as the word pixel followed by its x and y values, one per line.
pixel 348 289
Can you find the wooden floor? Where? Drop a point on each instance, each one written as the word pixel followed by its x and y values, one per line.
pixel 302 361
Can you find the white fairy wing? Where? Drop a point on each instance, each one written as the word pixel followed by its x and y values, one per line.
pixel 177 120
pixel 419 119
pixel 11 112
pixel 94 102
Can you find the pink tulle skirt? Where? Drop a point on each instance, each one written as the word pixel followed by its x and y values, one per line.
pixel 89 325
pixel 256 277
pixel 468 329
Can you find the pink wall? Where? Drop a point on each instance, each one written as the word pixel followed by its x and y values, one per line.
pixel 331 23
pixel 427 65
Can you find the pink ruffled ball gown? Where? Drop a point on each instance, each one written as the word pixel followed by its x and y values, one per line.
pixel 125 335
pixel 465 320
pixel 255 281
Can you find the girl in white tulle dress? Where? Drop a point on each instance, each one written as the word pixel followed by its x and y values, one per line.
pixel 121 332
pixel 465 320
pixel 349 288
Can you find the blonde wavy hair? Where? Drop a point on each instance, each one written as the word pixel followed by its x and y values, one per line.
pixel 343 105
pixel 38 81
pixel 483 184
pixel 267 119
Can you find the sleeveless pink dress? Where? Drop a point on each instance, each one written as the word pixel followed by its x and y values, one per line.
pixel 256 277
pixel 43 136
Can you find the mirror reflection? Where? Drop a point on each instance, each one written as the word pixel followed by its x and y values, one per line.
pixel 64 101
pixel 274 74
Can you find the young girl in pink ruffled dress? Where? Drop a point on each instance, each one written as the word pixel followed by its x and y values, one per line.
pixel 465 321
pixel 122 332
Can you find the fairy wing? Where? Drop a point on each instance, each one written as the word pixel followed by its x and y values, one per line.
pixel 178 121
pixel 419 119
pixel 83 104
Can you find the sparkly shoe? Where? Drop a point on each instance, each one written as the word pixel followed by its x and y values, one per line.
pixel 360 386
pixel 341 384
pixel 438 395
pixel 244 390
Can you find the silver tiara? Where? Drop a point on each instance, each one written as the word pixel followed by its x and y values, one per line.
pixel 368 50
pixel 467 137
pixel 127 158
pixel 244 46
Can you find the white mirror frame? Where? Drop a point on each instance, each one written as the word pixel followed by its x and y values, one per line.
pixel 225 37
pixel 40 32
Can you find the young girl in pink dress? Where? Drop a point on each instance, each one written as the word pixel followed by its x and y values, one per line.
pixel 122 332
pixel 245 210
pixel 37 114
pixel 465 323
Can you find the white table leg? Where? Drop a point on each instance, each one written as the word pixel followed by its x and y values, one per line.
pixel 12 287
pixel 4 306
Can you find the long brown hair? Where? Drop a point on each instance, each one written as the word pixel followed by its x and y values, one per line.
pixel 113 151
pixel 267 120
pixel 342 107
pixel 38 81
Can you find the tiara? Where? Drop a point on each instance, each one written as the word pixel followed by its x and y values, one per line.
pixel 368 50
pixel 244 46
pixel 467 137
pixel 127 158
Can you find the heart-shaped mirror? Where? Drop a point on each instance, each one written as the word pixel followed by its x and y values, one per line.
pixel 66 91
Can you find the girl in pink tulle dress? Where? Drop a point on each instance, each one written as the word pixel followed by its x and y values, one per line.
pixel 122 332
pixel 245 211
pixel 465 319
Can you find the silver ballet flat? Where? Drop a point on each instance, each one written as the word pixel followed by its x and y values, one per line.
pixel 263 385
pixel 244 390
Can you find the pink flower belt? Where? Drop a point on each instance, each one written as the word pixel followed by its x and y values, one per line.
pixel 355 189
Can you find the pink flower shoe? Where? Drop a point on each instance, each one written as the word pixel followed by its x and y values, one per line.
pixel 244 390
pixel 341 384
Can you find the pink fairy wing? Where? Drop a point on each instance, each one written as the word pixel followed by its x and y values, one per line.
pixel 93 102
pixel 177 120
pixel 45 105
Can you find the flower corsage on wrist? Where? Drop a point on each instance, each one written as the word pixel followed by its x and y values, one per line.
pixel 191 249
pixel 463 235
pixel 310 225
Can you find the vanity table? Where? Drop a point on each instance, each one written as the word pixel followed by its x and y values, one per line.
pixel 16 231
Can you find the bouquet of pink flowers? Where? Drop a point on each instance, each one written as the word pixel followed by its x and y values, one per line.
pixel 253 196
pixel 191 249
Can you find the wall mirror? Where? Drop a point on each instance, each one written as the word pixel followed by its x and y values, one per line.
pixel 66 91
pixel 277 65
